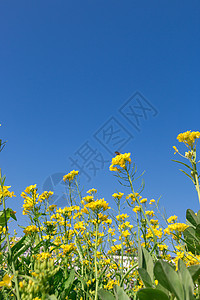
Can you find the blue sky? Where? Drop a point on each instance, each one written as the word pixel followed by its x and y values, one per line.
pixel 68 68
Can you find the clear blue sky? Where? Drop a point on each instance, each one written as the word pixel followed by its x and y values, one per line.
pixel 68 69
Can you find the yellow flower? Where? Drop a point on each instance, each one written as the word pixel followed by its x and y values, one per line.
pixel 175 149
pixel 172 219
pixel 45 195
pixel 30 229
pixel 98 205
pixel 118 195
pixel 67 248
pixel 30 188
pixel 92 191
pixel 120 160
pixel 131 195
pixel 7 281
pixel 154 222
pixel 4 193
pixel 122 217
pixel 88 199
pixel 136 209
pixel 150 213
pixel 188 137
pixel 126 233
pixel 162 247
pixel 178 227
pixel 152 201
pixel 70 176
pixel 43 255
pixel 144 200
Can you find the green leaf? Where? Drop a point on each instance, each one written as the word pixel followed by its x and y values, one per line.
pixel 198 217
pixel 151 294
pixel 194 271
pixel 9 213
pixel 187 175
pixel 70 279
pixel 145 277
pixel 167 277
pixel 180 162
pixel 186 280
pixel 51 297
pixel 190 236
pixel 140 256
pixel 145 261
pixel 197 231
pixel 120 294
pixel 105 295
pixel 12 213
pixel 191 217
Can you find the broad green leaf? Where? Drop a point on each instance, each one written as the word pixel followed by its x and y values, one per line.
pixel 105 295
pixel 194 271
pixel 21 246
pixel 145 277
pixel 198 217
pixel 70 279
pixel 51 297
pixel 151 294
pixel 198 231
pixel 140 256
pixel 190 235
pixel 12 214
pixel 2 218
pixel 167 277
pixel 120 293
pixel 191 217
pixel 147 262
pixel 187 281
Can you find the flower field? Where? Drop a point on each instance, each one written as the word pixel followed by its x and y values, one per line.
pixel 86 250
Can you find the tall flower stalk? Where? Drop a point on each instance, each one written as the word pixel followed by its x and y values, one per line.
pixel 2 181
pixel 189 138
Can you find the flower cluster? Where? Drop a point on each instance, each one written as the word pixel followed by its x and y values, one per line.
pixel 120 161
pixel 188 137
pixel 70 176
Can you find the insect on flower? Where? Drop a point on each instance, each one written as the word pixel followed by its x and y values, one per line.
pixel 117 153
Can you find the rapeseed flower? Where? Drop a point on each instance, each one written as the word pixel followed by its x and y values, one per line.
pixel 5 193
pixel 70 176
pixel 188 137
pixel 98 205
pixel 120 161
pixel 7 281
pixel 30 229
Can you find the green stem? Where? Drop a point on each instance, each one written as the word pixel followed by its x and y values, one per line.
pixel 197 185
pixel 95 259
pixel 8 244
pixel 141 208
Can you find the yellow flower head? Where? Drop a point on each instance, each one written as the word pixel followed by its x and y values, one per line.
pixel 30 229
pixel 98 205
pixel 92 191
pixel 144 200
pixel 175 149
pixel 7 281
pixel 70 176
pixel 122 217
pixel 118 195
pixel 188 137
pixel 120 161
pixel 172 219
pixel 4 193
